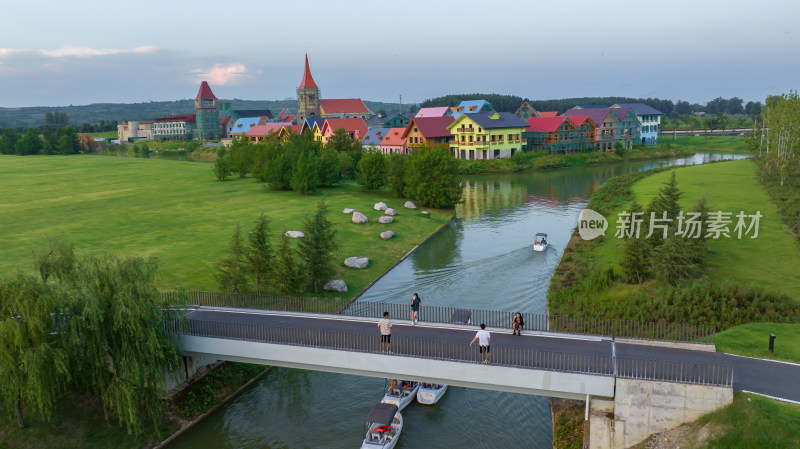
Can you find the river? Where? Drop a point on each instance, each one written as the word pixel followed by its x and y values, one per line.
pixel 482 259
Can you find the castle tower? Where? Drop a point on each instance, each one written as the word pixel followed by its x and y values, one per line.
pixel 207 113
pixel 307 97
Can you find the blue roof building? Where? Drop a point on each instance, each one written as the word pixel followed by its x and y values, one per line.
pixel 374 136
pixel 242 125
pixel 650 119
pixel 472 106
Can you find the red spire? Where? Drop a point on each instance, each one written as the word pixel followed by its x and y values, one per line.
pixel 205 91
pixel 308 81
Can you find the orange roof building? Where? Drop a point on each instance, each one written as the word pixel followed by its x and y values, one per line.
pixel 394 142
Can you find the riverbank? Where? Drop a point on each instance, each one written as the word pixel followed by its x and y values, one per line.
pixel 177 212
pixel 588 278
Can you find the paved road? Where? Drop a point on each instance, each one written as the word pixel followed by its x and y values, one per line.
pixel 770 378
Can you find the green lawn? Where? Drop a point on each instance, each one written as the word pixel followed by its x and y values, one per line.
pixel 179 213
pixel 750 422
pixel 753 340
pixel 105 134
pixel 770 261
pixel 727 144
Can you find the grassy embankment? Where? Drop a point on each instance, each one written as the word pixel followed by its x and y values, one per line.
pixel 747 280
pixel 725 144
pixel 751 421
pixel 179 213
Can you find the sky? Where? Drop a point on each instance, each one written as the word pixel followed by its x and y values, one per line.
pixel 75 53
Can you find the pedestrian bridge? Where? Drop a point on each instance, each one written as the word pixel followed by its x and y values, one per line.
pixel 565 367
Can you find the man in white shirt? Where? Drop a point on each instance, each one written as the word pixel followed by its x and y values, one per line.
pixel 386 331
pixel 484 340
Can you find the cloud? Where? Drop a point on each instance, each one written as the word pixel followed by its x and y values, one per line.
pixel 221 74
pixel 78 52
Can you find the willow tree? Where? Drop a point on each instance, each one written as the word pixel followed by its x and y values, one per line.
pixel 116 338
pixel 33 366
pixel 780 130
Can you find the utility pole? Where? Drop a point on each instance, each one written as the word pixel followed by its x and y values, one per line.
pixel 401 103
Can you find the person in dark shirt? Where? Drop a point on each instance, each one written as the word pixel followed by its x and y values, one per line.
pixel 415 303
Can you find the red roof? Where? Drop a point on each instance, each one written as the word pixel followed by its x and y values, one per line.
pixel 544 124
pixel 224 120
pixel 430 127
pixel 348 105
pixel 308 81
pixel 264 130
pixel 394 137
pixel 548 114
pixel 190 118
pixel 289 118
pixel 578 120
pixel 349 124
pixel 205 91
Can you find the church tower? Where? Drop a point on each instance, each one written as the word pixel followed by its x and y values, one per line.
pixel 206 113
pixel 307 97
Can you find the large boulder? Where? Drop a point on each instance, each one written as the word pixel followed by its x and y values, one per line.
pixel 295 234
pixel 390 211
pixel 380 206
pixel 357 262
pixel 337 285
pixel 410 205
pixel 387 234
pixel 385 219
pixel 349 211
pixel 358 217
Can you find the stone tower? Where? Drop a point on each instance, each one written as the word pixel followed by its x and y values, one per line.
pixel 207 113
pixel 307 97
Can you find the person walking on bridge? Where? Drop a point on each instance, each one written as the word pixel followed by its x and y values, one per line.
pixel 386 331
pixel 484 341
pixel 415 303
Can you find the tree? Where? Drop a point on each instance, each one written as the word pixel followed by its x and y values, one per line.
pixel 304 173
pixel 432 177
pixel 33 364
pixel 666 201
pixel 241 155
pixel 330 173
pixel 674 260
pixel 371 172
pixel 318 247
pixel 222 168
pixel 396 173
pixel 118 345
pixel 29 143
pixel 8 142
pixel 232 270
pixel 634 252
pixel 57 259
pixel 260 257
pixel 287 279
pixel 781 139
pixel 343 143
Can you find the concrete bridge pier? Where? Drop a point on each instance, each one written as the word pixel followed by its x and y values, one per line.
pixel 641 408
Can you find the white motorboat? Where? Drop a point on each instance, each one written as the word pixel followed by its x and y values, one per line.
pixel 430 394
pixel 540 242
pixel 383 426
pixel 400 393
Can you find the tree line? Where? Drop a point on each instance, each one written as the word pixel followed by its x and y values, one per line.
pixel 776 136
pixel 253 265
pixel 48 140
pixel 427 175
pixel 91 324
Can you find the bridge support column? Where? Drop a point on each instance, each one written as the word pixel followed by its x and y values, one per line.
pixel 641 408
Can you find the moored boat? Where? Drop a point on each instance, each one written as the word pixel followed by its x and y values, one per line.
pixel 400 393
pixel 383 426
pixel 430 394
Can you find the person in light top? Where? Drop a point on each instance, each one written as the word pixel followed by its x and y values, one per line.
pixel 484 339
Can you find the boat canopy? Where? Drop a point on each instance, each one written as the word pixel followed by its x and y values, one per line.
pixel 540 234
pixel 382 414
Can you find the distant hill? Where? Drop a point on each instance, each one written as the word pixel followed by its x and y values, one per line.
pixel 35 116
pixel 510 103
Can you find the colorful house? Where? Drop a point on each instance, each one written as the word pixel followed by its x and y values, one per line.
pixel 259 133
pixel 548 113
pixel 433 112
pixel 354 127
pixel 374 137
pixel 344 108
pixel 288 130
pixel 394 142
pixel 486 136
pixel 650 119
pixel 629 126
pixel 428 131
pixel 560 134
pixel 605 133
pixel 470 107
pixel 526 111
pixel 242 125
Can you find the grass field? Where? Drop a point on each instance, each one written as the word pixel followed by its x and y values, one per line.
pixel 105 134
pixel 179 213
pixel 770 261
pixel 753 340
pixel 699 143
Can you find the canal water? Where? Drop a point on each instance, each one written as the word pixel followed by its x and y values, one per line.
pixel 482 259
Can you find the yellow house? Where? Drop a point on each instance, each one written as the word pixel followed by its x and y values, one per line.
pixel 481 135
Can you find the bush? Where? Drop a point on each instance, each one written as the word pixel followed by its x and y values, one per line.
pixel 432 178
pixel 222 168
pixel 371 172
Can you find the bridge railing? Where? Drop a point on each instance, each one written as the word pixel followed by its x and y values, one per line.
pixel 401 346
pixel 540 322
pixel 673 371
